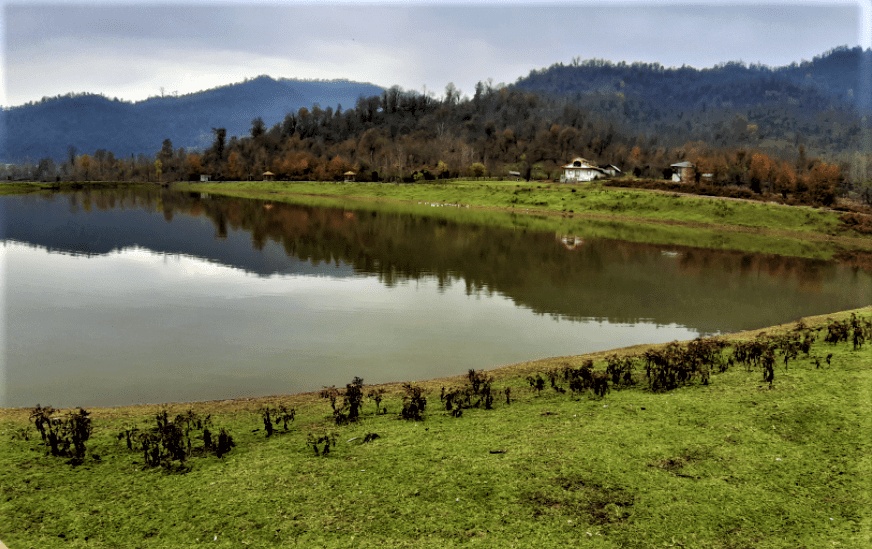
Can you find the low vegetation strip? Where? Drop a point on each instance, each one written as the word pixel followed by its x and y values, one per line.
pixel 749 440
pixel 596 226
pixel 588 211
pixel 571 200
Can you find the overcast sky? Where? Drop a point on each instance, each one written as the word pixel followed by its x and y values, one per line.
pixel 130 50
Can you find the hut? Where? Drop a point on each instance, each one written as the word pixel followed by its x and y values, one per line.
pixel 580 170
pixel 349 176
pixel 269 176
pixel 611 170
pixel 204 178
pixel 682 172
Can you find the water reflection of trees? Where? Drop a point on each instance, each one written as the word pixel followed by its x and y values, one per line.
pixel 621 281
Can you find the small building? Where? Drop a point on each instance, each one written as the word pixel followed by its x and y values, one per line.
pixel 349 176
pixel 683 172
pixel 269 176
pixel 514 176
pixel 204 178
pixel 611 170
pixel 580 170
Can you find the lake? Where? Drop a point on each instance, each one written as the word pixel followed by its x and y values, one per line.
pixel 124 296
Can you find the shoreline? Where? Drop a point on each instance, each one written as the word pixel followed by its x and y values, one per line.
pixel 267 190
pixel 594 216
pixel 394 388
pixel 555 467
pixel 502 371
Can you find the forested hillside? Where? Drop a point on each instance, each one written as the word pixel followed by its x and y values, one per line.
pixel 839 78
pixel 791 136
pixel 818 103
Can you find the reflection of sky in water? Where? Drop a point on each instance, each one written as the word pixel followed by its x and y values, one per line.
pixel 223 301
pixel 136 326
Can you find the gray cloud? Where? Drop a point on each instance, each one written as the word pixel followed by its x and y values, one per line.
pixel 130 51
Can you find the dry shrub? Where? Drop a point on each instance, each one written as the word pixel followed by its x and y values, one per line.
pixel 858 222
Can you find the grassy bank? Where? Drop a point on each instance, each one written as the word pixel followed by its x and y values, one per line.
pixel 23 187
pixel 587 211
pixel 735 463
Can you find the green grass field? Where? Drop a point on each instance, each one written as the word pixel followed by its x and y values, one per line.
pixel 551 197
pixel 583 210
pixel 736 463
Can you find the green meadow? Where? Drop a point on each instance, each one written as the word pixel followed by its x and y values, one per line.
pixel 550 197
pixel 734 460
pixel 588 211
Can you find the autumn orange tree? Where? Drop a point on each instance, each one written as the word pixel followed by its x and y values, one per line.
pixel 760 171
pixel 195 165
pixel 822 182
pixel 784 180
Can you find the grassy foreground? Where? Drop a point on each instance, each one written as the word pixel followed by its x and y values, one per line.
pixel 736 463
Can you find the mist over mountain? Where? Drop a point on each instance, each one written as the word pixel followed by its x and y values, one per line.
pixel 89 122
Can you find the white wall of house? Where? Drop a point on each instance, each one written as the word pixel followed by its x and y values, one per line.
pixel 581 174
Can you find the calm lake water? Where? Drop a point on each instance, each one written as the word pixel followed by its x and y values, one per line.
pixel 143 296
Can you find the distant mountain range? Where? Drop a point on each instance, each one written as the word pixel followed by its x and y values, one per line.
pixel 90 122
pixel 840 77
pixel 834 90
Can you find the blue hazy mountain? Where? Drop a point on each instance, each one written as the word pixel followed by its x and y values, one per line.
pixel 90 122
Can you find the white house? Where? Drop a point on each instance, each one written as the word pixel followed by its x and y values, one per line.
pixel 581 170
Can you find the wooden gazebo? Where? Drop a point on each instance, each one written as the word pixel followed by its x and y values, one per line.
pixel 269 176
pixel 349 176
